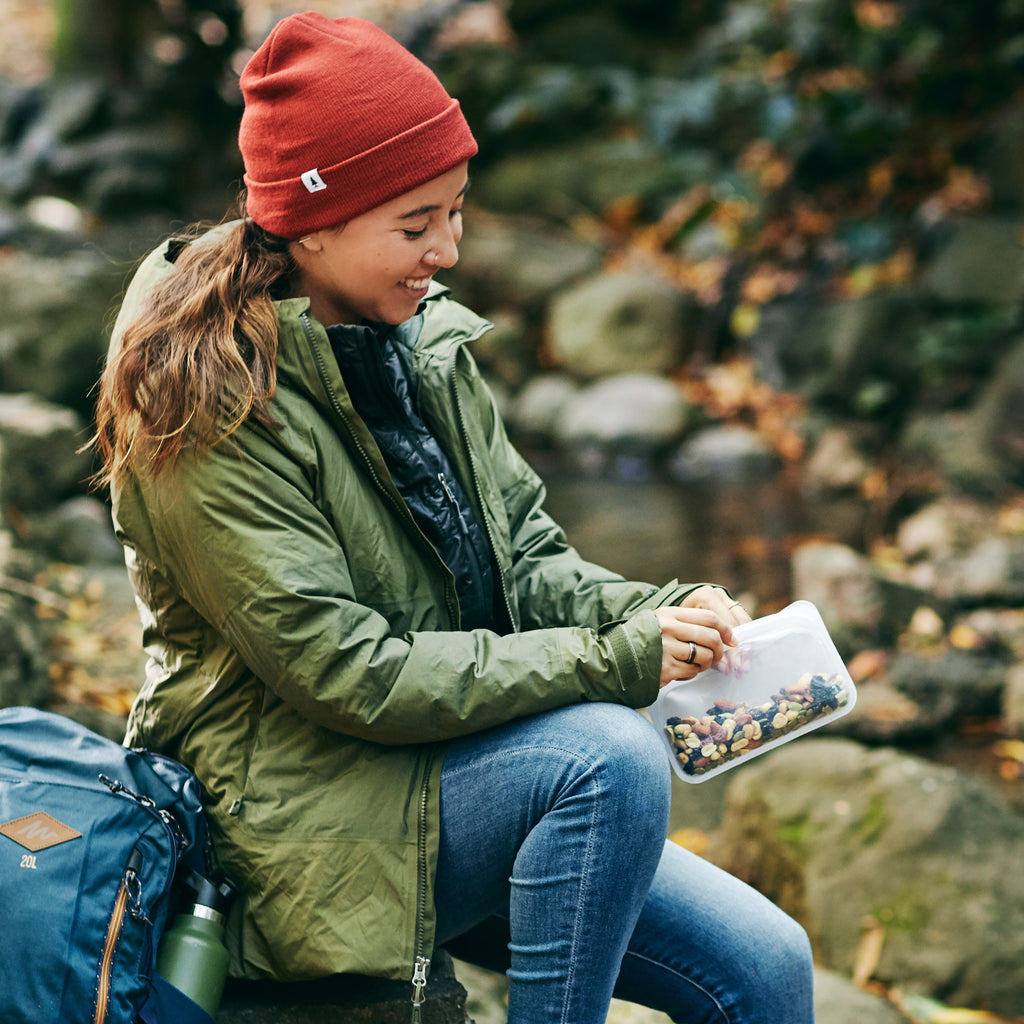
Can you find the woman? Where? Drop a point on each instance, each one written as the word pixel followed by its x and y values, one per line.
pixel 409 701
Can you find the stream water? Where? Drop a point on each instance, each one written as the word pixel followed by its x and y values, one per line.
pixel 740 534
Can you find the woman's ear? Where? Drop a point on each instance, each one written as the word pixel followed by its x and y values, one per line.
pixel 311 243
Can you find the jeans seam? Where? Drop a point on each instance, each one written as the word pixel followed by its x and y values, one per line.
pixel 584 876
pixel 679 974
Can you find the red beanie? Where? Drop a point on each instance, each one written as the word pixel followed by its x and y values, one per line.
pixel 338 119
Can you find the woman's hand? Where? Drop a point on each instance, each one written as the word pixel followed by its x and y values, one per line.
pixel 696 634
pixel 716 599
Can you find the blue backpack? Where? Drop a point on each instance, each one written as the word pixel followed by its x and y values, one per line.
pixel 91 837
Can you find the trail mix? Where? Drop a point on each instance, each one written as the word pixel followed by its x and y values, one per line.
pixel 728 729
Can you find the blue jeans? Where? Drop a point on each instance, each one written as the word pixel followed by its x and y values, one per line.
pixel 553 864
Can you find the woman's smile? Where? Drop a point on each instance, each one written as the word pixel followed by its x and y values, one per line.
pixel 379 265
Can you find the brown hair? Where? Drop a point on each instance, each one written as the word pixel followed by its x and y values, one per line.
pixel 201 355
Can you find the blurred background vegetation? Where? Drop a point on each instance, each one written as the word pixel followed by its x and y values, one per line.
pixel 756 152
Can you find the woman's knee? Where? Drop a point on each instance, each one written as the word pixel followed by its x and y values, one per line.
pixel 627 754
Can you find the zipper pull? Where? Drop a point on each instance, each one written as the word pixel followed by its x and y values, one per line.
pixel 449 494
pixel 116 787
pixel 419 983
pixel 447 490
pixel 133 885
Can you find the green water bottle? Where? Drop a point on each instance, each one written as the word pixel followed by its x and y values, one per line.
pixel 192 955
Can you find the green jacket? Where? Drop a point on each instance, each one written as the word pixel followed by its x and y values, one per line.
pixel 305 656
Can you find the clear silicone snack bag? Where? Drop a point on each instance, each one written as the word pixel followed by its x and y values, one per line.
pixel 782 680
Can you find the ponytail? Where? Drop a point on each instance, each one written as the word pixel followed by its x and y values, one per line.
pixel 200 358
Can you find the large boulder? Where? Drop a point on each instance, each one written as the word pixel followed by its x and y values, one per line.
pixel 41 461
pixel 618 322
pixel 987 452
pixel 52 334
pixel 982 260
pixel 956 549
pixel 846 838
pixel 517 262
pixel 844 586
pixel 838 354
pixel 641 412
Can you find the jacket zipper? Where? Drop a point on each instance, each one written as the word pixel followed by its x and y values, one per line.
pixel 307 330
pixel 129 889
pixel 421 962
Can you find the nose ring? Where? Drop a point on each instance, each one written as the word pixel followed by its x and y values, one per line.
pixel 433 258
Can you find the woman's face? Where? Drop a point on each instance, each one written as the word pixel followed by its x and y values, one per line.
pixel 378 265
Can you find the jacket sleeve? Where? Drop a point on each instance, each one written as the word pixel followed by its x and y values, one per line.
pixel 255 559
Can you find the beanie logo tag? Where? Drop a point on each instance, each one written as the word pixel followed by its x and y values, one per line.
pixel 313 181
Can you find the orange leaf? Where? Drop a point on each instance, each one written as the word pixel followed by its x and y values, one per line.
pixel 869 952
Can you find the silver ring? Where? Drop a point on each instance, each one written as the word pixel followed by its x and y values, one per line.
pixel 693 653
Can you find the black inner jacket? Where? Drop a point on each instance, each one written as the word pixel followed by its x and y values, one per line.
pixel 374 364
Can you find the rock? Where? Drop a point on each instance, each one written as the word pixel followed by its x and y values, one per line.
pixel 987 452
pixel 838 1001
pixel 517 262
pixel 949 686
pixel 76 106
pixel 52 335
pixel 945 528
pixel 723 454
pixel 39 458
pixel 955 549
pixel 537 407
pixel 1003 156
pixel 927 437
pixel 885 715
pixel 836 354
pixel 79 532
pixel 617 323
pixel 23 678
pixel 125 169
pixel 638 412
pixel 590 176
pixel 845 588
pixel 836 464
pixel 1013 699
pixel 842 837
pixel 993 571
pixel 996 630
pixel 981 261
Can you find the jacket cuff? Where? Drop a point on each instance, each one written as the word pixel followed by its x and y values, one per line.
pixel 636 648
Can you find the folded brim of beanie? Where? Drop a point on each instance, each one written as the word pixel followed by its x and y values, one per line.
pixel 322 197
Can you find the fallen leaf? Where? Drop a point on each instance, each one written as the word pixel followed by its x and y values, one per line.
pixel 869 951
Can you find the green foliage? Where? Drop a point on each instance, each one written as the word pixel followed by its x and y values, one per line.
pixel 835 86
pixel 962 346
pixel 762 149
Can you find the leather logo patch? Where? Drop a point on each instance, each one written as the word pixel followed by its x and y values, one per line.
pixel 38 831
